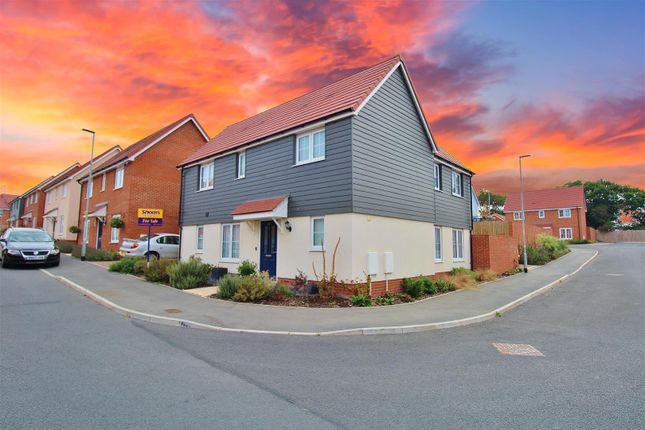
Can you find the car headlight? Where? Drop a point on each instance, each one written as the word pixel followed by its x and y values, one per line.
pixel 13 251
pixel 54 251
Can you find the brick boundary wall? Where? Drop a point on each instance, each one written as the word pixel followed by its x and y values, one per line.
pixel 592 233
pixel 496 252
pixel 622 236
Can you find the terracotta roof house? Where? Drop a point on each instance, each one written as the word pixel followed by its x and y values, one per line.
pixel 63 196
pixel 560 212
pixel 5 209
pixel 353 161
pixel 143 175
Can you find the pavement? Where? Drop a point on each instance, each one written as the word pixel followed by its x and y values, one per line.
pixel 146 301
pixel 68 363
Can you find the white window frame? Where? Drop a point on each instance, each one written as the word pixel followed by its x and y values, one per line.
pixel 457 176
pixel 64 190
pixel 90 189
pixel 566 230
pixel 103 181
pixel 210 170
pixel 310 143
pixel 313 245
pixel 199 237
pixel 457 245
pixel 36 197
pixel 226 252
pixel 564 213
pixel 517 215
pixel 541 214
pixel 61 225
pixel 241 165
pixel 438 245
pixel 114 232
pixel 50 196
pixel 119 174
pixel 437 176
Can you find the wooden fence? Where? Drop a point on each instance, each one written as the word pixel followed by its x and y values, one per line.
pixel 492 228
pixel 621 236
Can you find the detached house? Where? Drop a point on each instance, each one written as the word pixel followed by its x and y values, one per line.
pixel 353 161
pixel 63 195
pixel 5 210
pixel 559 212
pixel 143 175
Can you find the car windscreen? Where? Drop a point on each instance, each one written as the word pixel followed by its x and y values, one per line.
pixel 29 236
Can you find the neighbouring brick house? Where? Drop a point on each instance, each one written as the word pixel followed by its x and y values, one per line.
pixel 143 175
pixel 352 161
pixel 559 212
pixel 5 210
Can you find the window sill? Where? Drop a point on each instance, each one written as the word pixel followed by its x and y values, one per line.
pixel 199 251
pixel 302 163
pixel 229 260
pixel 439 261
pixel 240 177
pixel 204 189
pixel 458 260
pixel 315 250
pixel 457 195
pixel 112 241
pixel 117 188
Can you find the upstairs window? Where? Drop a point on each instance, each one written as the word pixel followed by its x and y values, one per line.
pixel 437 176
pixel 118 178
pixel 564 213
pixel 103 182
pixel 49 196
pixel 241 165
pixel 457 189
pixel 90 189
pixel 541 213
pixel 206 176
pixel 517 216
pixel 310 147
pixel 64 190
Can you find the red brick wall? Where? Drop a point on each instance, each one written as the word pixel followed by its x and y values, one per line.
pixel 151 181
pixel 499 253
pixel 4 223
pixel 37 210
pixel 550 224
pixel 592 233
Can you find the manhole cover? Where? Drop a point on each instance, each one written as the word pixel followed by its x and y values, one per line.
pixel 517 349
pixel 172 311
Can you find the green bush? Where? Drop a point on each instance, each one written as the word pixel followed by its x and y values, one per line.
pixel 158 270
pixel 282 291
pixel 555 247
pixel 537 256
pixel 429 286
pixel 228 286
pixel 414 287
pixel 65 247
pixel 92 254
pixel 444 285
pixel 185 275
pixel 361 300
pixel 127 265
pixel 385 300
pixel 579 241
pixel 464 271
pixel 247 268
pixel 253 288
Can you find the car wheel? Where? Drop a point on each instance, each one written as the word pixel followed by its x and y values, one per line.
pixel 4 263
pixel 154 256
pixel 56 264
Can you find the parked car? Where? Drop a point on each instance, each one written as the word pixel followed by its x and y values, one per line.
pixel 162 245
pixel 23 246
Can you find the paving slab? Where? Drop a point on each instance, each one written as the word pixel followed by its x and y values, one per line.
pixel 156 299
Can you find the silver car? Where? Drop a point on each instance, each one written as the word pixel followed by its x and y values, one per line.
pixel 162 245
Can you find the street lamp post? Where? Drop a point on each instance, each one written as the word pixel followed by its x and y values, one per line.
pixel 526 266
pixel 86 223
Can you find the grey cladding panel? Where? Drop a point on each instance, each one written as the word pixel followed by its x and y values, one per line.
pixel 314 189
pixel 453 211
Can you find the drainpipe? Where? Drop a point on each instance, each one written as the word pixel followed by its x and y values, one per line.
pixel 181 195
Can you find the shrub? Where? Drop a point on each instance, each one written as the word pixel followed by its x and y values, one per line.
pixel 92 254
pixel 228 286
pixel 462 281
pixel 464 271
pixel 253 288
pixel 579 241
pixel 537 256
pixel 414 287
pixel 385 300
pixel 429 286
pixel 282 291
pixel 74 229
pixel 361 300
pixel 247 268
pixel 127 265
pixel 555 247
pixel 158 270
pixel 185 275
pixel 486 275
pixel 444 285
pixel 65 247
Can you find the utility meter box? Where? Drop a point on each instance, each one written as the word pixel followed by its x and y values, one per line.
pixel 372 263
pixel 388 258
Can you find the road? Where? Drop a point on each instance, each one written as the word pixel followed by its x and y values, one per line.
pixel 66 362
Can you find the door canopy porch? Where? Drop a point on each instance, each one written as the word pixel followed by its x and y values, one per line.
pixel 99 212
pixel 275 209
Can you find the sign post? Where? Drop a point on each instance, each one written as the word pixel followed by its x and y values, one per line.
pixel 149 217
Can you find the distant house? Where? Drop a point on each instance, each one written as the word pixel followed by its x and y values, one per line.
pixel 560 212
pixel 143 175
pixel 5 210
pixel 355 161
pixel 63 196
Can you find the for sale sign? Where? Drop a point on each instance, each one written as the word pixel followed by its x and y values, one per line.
pixel 150 217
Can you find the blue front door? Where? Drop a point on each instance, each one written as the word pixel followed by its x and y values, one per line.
pixel 268 247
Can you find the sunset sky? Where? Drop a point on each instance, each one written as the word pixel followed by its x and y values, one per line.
pixel 563 81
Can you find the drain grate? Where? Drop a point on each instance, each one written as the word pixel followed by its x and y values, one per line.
pixel 517 349
pixel 172 311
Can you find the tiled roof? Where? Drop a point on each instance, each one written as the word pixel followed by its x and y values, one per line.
pixel 566 197
pixel 344 95
pixel 143 143
pixel 61 178
pixel 6 199
pixel 445 155
pixel 255 206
